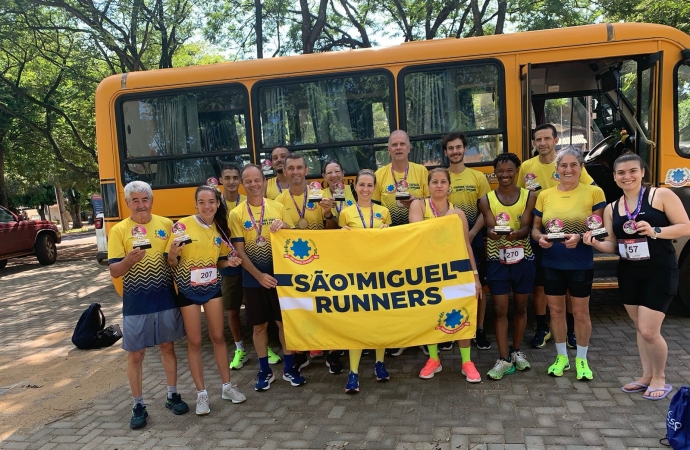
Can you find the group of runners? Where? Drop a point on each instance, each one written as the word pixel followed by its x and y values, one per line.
pixel 542 223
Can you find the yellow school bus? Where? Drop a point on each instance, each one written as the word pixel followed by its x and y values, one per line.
pixel 607 88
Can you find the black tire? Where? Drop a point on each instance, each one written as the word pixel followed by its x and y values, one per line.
pixel 46 250
pixel 3 263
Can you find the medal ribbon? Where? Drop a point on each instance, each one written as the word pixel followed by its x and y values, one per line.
pixel 260 226
pixel 634 214
pixel 407 169
pixel 237 202
pixel 433 208
pixel 280 189
pixel 226 240
pixel 371 216
pixel 304 206
pixel 336 205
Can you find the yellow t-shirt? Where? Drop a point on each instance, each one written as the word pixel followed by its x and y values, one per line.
pixel 196 273
pixel 234 204
pixel 294 205
pixel 466 188
pixel 533 172
pixel 515 211
pixel 147 285
pixel 339 206
pixel 273 189
pixel 350 217
pixel 243 229
pixel 384 192
pixel 572 208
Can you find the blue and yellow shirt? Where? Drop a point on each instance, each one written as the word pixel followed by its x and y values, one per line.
pixel 196 273
pixel 534 172
pixel 384 192
pixel 312 211
pixel 572 208
pixel 243 230
pixel 350 217
pixel 148 284
pixel 466 188
pixel 515 211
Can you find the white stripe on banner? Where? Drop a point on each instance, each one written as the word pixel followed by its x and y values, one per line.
pixel 287 303
pixel 458 291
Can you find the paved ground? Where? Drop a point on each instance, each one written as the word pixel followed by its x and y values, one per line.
pixel 524 411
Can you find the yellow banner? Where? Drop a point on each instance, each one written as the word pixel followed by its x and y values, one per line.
pixel 370 288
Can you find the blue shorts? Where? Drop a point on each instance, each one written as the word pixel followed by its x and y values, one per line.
pixel 519 277
pixel 148 330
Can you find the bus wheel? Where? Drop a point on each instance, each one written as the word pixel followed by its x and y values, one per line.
pixel 683 283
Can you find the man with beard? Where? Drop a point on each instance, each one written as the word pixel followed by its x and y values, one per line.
pixel 467 186
pixel 275 186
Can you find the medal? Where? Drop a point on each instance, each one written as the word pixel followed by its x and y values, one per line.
pixel 302 222
pixel 232 254
pixel 371 216
pixel 630 226
pixel 260 241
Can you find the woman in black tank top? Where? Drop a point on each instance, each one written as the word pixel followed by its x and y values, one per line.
pixel 641 226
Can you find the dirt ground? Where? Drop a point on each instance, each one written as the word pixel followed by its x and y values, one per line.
pixel 43 376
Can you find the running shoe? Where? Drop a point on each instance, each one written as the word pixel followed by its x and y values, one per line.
pixel 293 377
pixel 333 362
pixel 139 416
pixel 470 372
pixel 395 351
pixel 202 407
pixel 583 370
pixel 239 359
pixel 481 341
pixel 301 361
pixel 431 367
pixel 176 404
pixel 556 369
pixel 381 372
pixel 352 386
pixel 500 369
pixel 519 360
pixel 540 338
pixel 571 342
pixel 272 357
pixel 424 349
pixel 263 381
pixel 232 393
pixel 316 353
pixel 446 346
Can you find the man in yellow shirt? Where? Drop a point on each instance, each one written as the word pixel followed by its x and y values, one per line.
pixel 401 181
pixel 536 174
pixel 275 186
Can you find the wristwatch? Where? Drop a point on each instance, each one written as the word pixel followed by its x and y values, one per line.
pixel 656 230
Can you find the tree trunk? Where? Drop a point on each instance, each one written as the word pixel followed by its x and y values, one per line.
pixel 74 198
pixel 42 211
pixel 501 16
pixel 64 217
pixel 259 29
pixel 4 199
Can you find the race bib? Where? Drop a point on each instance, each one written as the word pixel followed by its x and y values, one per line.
pixel 203 275
pixel 511 255
pixel 633 249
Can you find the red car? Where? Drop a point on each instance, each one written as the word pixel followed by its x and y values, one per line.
pixel 19 237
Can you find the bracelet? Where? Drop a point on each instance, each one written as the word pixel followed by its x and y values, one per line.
pixel 476 272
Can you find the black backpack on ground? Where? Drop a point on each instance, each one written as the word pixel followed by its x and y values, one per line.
pixel 91 332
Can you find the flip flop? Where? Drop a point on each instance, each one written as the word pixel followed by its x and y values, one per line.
pixel 666 389
pixel 640 387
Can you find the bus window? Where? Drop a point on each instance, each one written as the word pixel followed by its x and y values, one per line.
pixel 165 135
pixel 326 118
pixel 683 110
pixel 585 132
pixel 441 99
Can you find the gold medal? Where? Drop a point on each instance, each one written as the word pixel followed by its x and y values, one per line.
pixel 303 223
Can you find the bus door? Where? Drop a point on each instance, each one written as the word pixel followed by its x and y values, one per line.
pixel 648 112
pixel 526 83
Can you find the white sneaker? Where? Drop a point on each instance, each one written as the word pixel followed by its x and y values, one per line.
pixel 202 405
pixel 233 394
pixel 520 360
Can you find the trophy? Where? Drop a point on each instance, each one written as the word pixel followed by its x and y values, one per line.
pixel 502 220
pixel 213 182
pixel 553 228
pixel 531 182
pixel 339 192
pixel 315 192
pixel 402 192
pixel 140 241
pixel 595 223
pixel 266 167
pixel 180 232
